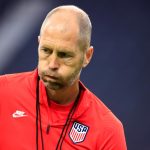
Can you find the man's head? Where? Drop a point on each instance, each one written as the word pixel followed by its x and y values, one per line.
pixel 64 46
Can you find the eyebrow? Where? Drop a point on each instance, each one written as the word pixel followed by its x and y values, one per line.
pixel 59 50
pixel 46 47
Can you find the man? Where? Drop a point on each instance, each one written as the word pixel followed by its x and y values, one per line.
pixel 49 108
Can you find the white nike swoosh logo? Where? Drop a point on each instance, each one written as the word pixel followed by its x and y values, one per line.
pixel 19 114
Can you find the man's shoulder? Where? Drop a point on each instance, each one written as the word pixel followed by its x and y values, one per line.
pixel 99 109
pixel 96 102
pixel 16 77
pixel 106 127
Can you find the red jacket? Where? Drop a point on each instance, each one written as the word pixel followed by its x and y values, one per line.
pixel 93 125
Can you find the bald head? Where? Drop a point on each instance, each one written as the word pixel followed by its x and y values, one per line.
pixel 70 18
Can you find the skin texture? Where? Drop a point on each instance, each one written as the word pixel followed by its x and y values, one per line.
pixel 61 59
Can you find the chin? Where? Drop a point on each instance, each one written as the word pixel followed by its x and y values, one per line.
pixel 53 86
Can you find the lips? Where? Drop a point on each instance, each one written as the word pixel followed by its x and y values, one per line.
pixel 51 77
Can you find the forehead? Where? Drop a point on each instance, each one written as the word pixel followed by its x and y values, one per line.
pixel 58 45
pixel 61 31
pixel 64 23
pixel 63 17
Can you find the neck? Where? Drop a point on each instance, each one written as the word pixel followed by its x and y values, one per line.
pixel 65 95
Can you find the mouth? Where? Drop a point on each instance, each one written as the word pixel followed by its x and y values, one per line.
pixel 53 78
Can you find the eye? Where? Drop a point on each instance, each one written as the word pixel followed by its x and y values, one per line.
pixel 46 50
pixel 64 55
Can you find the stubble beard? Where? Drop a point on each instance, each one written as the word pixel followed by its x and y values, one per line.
pixel 60 83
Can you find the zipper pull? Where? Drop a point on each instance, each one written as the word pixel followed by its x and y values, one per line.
pixel 47 129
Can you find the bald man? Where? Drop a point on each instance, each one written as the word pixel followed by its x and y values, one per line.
pixel 49 108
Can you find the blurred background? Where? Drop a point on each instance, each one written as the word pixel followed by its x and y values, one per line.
pixel 119 73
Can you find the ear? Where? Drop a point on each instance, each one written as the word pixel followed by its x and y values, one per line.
pixel 88 56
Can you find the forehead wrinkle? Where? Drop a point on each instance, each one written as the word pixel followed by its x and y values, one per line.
pixel 52 45
pixel 59 33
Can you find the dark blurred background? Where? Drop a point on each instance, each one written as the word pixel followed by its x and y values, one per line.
pixel 119 73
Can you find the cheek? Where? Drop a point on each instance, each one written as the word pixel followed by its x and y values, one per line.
pixel 69 72
pixel 43 61
pixel 42 65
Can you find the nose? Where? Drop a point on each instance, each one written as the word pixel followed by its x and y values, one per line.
pixel 53 62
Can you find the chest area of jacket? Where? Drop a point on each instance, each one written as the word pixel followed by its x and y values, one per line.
pixel 18 120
